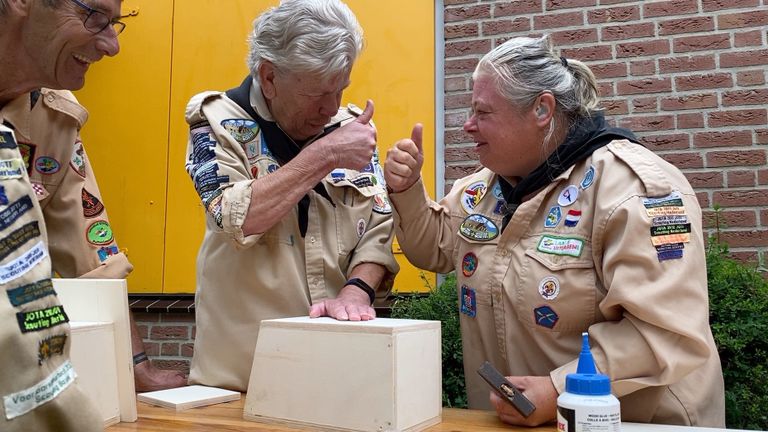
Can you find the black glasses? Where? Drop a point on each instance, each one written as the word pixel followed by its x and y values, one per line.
pixel 97 21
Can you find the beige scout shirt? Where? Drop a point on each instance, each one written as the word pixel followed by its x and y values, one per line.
pixel 80 238
pixel 590 251
pixel 38 385
pixel 242 280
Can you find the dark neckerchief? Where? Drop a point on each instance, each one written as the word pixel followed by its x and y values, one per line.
pixel 282 147
pixel 584 137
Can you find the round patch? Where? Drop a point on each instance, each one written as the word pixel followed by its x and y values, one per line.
pixel 568 196
pixel 469 264
pixel 478 227
pixel 360 227
pixel 242 130
pixel 99 233
pixel 381 204
pixel 549 288
pixel 472 196
pixel 47 165
pixel 92 207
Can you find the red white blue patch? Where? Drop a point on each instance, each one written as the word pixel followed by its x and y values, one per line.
pixel 468 301
pixel 545 316
pixel 469 264
pixel 107 252
pixel 572 218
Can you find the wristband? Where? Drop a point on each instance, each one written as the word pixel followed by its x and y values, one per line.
pixel 140 358
pixel 363 286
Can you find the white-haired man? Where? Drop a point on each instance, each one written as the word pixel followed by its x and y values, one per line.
pixel 297 214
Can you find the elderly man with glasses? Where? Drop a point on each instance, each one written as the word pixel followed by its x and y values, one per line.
pixel 46 48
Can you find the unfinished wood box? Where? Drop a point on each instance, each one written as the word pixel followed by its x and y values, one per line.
pixel 323 374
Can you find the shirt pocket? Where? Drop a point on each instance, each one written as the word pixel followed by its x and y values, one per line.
pixel 478 278
pixel 556 293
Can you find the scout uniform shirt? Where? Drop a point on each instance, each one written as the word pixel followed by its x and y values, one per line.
pixel 613 246
pixel 242 280
pixel 47 126
pixel 37 382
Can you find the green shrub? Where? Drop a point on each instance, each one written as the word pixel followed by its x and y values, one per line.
pixel 738 297
pixel 441 305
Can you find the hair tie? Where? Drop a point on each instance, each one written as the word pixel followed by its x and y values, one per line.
pixel 564 61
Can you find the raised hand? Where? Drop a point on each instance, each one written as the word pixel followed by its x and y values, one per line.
pixel 404 161
pixel 353 144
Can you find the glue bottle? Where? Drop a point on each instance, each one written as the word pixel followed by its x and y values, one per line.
pixel 587 404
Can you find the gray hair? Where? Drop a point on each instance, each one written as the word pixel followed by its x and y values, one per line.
pixel 526 67
pixel 308 36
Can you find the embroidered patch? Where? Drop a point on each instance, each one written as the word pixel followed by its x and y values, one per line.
pixel 30 292
pixel 363 181
pixel 360 227
pixel 41 319
pixel 553 217
pixel 665 211
pixel 367 169
pixel 270 168
pixel 472 196
pixel 568 196
pixel 18 237
pixel 11 213
pixel 338 175
pixel 106 252
pixel 468 301
pixel 40 192
pixel 671 238
pixel 3 196
pixel 11 168
pixel 381 204
pixel 99 233
pixel 497 193
pixel 27 151
pixel 77 162
pixel 469 264
pixel 549 288
pixel 672 200
pixel 589 178
pixel 500 207
pixel 47 165
pixel 50 346
pixel 572 218
pixel 478 227
pixel 242 130
pixel 668 255
pixel 545 316
pixel 661 230
pixel 22 402
pixel 7 140
pixel 92 207
pixel 554 245
pixel 23 264
pixel 669 220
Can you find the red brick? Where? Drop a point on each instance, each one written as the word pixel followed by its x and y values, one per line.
pixel 143 330
pixel 152 349
pixel 644 86
pixel 605 89
pixel 741 178
pixel 689 101
pixel 169 349
pixel 461 30
pixel 552 20
pixel 521 24
pixel 678 141
pixel 640 49
pixel 175 317
pixel 761 136
pixel 735 158
pixel 460 66
pixel 162 332
pixel 609 70
pixel 749 258
pixel 460 154
pixel 750 238
pixel 456 2
pixel 744 58
pixel 684 160
pixel 645 105
pixel 756 18
pixel 642 67
pixel 718 5
pixel 730 218
pixel 614 107
pixel 597 52
pixel 627 31
pixel 707 179
pixel 750 78
pixel 686 64
pixel 690 121
pixel 686 25
pixel 762 177
pixel 704 81
pixel 736 198
pixel 455 119
pixel 187 349
pixel 747 39
pixel 457 136
pixel 614 14
pixel 458 100
pixel 764 217
pixel 665 8
pixel 569 4
pixel 467 13
pixel 179 365
pixel 701 43
pixel 453 84
pixel 745 97
pixel 463 48
pixel 648 123
pixel 703 199
pixel 722 139
pixel 516 7
pixel 459 171
pixel 737 118
pixel 569 37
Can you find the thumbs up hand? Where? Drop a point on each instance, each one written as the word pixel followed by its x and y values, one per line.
pixel 353 144
pixel 404 161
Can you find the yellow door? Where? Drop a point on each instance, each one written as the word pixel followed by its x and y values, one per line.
pixel 173 50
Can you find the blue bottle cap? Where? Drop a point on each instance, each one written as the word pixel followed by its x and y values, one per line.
pixel 586 380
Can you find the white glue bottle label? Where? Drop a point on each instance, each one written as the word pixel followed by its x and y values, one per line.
pixel 587 404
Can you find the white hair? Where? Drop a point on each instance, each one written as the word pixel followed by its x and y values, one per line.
pixel 320 37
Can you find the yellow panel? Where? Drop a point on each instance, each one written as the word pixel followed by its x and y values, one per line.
pixel 396 70
pixel 126 136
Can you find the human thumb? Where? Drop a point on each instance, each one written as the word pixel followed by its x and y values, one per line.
pixel 367 114
pixel 416 136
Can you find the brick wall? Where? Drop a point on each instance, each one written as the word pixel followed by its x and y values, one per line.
pixel 168 338
pixel 687 76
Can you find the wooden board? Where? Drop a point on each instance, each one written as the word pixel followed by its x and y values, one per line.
pixel 93 356
pixel 187 397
